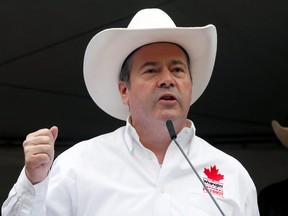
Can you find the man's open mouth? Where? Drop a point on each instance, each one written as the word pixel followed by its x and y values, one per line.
pixel 168 97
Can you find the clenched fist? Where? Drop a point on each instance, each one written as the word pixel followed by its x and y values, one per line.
pixel 39 153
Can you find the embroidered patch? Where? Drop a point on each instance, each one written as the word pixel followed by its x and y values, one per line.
pixel 212 181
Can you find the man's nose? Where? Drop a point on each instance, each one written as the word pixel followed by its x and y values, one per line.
pixel 166 79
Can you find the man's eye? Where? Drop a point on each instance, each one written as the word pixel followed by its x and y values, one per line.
pixel 151 70
pixel 178 69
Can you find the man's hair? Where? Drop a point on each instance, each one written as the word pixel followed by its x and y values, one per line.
pixel 126 66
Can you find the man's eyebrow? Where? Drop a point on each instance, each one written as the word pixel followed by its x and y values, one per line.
pixel 150 63
pixel 174 62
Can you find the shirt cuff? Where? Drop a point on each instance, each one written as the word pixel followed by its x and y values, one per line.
pixel 26 190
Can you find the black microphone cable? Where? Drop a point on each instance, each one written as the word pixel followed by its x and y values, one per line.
pixel 173 136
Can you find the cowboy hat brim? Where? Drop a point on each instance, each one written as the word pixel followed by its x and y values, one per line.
pixel 281 132
pixel 108 49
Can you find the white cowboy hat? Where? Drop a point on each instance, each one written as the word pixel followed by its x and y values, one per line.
pixel 108 49
pixel 281 132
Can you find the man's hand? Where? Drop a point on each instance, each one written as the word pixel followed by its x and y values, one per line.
pixel 39 153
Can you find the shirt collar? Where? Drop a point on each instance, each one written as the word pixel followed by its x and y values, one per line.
pixel 184 137
pixel 131 135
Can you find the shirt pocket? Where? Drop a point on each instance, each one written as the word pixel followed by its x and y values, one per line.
pixel 203 205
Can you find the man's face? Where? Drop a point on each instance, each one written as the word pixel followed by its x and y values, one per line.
pixel 160 83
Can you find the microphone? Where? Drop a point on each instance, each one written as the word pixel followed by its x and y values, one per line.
pixel 173 136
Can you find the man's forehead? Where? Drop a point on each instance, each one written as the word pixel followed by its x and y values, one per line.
pixel 152 53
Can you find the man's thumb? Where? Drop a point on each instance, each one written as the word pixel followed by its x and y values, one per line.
pixel 54 131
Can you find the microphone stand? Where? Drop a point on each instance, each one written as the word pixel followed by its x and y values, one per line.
pixel 173 136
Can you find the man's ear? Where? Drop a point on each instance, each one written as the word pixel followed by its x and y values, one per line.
pixel 124 92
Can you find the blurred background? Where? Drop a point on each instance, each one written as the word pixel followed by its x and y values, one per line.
pixel 42 44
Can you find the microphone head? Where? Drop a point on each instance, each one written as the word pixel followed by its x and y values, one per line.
pixel 171 129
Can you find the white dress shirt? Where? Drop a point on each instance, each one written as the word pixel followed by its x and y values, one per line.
pixel 114 174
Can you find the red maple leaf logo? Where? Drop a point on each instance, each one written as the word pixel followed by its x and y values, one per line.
pixel 213 173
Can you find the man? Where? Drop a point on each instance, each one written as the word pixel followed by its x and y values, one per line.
pixel 159 70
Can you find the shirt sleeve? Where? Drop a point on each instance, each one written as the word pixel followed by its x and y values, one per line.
pixel 26 199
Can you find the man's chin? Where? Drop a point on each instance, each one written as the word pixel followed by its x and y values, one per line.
pixel 169 115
